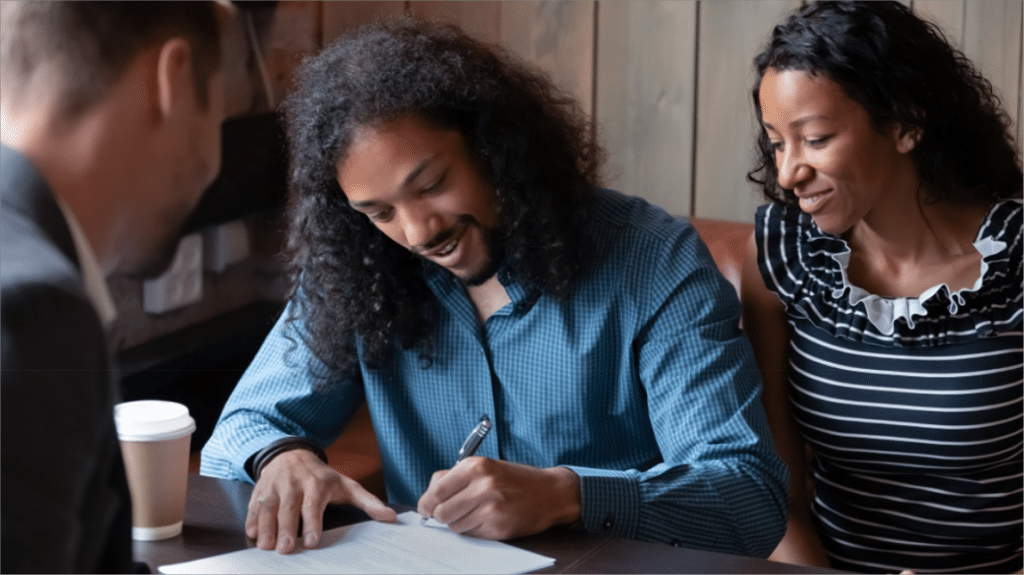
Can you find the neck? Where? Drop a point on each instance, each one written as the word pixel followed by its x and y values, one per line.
pixel 910 229
pixel 488 297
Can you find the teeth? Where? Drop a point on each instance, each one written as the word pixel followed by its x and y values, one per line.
pixel 449 249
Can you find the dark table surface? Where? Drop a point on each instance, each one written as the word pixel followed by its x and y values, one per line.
pixel 215 519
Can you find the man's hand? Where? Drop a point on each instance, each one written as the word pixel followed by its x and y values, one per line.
pixel 297 482
pixel 496 499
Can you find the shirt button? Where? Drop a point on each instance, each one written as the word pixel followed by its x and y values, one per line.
pixel 675 543
pixel 608 523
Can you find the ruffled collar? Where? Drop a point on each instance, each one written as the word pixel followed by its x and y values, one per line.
pixel 883 311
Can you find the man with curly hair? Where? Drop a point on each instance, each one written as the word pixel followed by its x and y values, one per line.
pixel 452 255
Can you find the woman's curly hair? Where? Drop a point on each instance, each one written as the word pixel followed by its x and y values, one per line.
pixel 533 142
pixel 903 71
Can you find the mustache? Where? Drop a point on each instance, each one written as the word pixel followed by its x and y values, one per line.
pixel 461 223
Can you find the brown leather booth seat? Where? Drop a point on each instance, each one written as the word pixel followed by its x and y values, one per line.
pixel 727 242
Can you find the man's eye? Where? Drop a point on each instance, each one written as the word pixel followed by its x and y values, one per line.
pixel 435 186
pixel 382 215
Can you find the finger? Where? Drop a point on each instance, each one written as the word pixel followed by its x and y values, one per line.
pixel 266 521
pixel 461 513
pixel 443 485
pixel 288 522
pixel 252 516
pixel 357 495
pixel 437 476
pixel 313 506
pixel 426 504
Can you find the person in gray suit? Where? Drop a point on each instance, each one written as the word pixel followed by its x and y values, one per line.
pixel 111 117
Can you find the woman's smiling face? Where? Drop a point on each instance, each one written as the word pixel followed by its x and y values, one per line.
pixel 827 150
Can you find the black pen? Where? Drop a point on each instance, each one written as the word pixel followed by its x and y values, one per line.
pixel 472 443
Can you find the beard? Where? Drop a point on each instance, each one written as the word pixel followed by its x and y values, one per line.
pixel 495 257
pixel 491 238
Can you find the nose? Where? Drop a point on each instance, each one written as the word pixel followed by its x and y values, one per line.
pixel 793 168
pixel 420 224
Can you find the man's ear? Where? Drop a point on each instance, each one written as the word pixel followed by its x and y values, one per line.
pixel 174 78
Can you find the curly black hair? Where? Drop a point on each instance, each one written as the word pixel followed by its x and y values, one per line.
pixel 903 71
pixel 533 142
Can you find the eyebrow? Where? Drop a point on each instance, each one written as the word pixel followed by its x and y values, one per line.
pixel 405 183
pixel 798 122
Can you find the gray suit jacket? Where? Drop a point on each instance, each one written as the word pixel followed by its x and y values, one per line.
pixel 65 501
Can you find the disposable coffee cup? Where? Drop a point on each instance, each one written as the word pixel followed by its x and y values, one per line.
pixel 155 437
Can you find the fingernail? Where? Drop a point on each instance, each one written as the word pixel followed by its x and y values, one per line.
pixel 310 540
pixel 284 543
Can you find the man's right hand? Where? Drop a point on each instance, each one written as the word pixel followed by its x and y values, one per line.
pixel 298 483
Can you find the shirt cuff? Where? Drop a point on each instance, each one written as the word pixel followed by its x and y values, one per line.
pixel 609 500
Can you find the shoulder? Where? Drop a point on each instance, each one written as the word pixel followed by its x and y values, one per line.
pixel 634 226
pixel 649 253
pixel 794 257
pixel 1004 222
pixel 43 301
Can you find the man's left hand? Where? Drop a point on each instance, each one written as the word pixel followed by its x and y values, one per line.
pixel 495 499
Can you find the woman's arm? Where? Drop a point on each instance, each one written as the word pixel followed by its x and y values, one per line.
pixel 764 320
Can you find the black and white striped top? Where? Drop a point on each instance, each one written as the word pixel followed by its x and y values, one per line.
pixel 912 406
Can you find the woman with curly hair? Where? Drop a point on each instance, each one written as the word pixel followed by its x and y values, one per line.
pixel 882 293
pixel 452 256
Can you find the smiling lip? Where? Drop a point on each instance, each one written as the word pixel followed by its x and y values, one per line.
pixel 812 202
pixel 447 246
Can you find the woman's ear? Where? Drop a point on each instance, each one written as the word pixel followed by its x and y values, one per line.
pixel 907 138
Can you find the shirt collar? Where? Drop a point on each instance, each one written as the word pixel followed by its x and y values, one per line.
pixel 95 284
pixel 446 286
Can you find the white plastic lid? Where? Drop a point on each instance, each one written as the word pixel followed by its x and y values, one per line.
pixel 152 420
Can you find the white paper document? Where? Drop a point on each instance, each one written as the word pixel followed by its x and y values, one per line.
pixel 374 547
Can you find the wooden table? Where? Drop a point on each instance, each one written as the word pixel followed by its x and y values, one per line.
pixel 215 523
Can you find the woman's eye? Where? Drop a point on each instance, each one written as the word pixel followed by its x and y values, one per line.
pixel 818 142
pixel 777 146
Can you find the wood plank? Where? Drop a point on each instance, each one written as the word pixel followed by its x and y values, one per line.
pixel 480 18
pixel 339 17
pixel 947 14
pixel 731 34
pixel 992 40
pixel 645 98
pixel 557 36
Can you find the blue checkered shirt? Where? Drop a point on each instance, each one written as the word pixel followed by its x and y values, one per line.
pixel 641 383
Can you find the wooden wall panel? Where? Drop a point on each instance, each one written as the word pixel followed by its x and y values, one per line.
pixel 481 18
pixel 989 33
pixel 992 40
pixel 645 98
pixel 557 36
pixel 947 14
pixel 339 17
pixel 669 77
pixel 731 34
